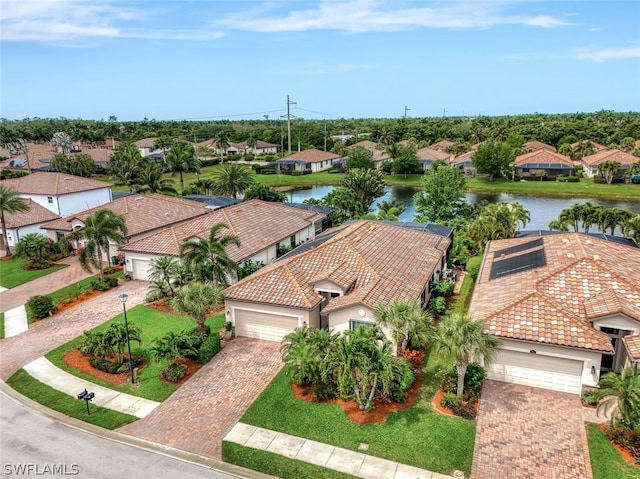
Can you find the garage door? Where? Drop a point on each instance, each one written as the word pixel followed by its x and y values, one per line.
pixel 140 269
pixel 263 325
pixel 558 374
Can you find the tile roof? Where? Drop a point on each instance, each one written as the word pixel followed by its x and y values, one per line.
pixel 441 145
pixel 141 213
pixel 429 153
pixel 583 279
pixel 313 156
pixel 258 224
pixel 598 146
pixel 464 158
pixel 622 157
pixel 381 261
pixel 537 145
pixel 98 155
pixel 55 184
pixel 36 214
pixel 543 156
pixel 632 344
pixel 377 153
pixel 145 143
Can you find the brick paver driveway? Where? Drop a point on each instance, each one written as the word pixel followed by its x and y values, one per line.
pixel 199 414
pixel 527 433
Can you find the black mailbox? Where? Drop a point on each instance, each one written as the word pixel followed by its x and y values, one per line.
pixel 86 396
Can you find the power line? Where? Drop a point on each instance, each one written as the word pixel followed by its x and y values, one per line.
pixel 228 116
pixel 318 112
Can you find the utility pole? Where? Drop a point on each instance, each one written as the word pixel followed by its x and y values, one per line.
pixel 289 103
pixel 406 109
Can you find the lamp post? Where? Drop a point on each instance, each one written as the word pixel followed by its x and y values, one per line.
pixel 123 298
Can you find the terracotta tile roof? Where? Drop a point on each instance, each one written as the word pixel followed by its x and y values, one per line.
pixel 622 157
pixel 55 184
pixel 313 156
pixel 441 145
pixel 98 155
pixel 632 344
pixel 141 213
pixel 36 214
pixel 537 145
pixel 583 279
pixel 258 224
pixel 377 153
pixel 598 147
pixel 387 261
pixel 464 158
pixel 145 143
pixel 429 153
pixel 543 156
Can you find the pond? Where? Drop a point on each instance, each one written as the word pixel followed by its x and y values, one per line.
pixel 542 209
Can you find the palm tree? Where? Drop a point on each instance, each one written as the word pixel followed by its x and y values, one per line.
pixel 210 256
pixel 100 229
pixel 231 179
pixel 406 322
pixel 35 247
pixel 499 221
pixel 163 143
pixel 151 180
pixel 164 270
pixel 620 394
pixel 608 170
pixel 222 143
pixel 197 300
pixel 632 227
pixel 264 192
pixel 462 337
pixel 182 159
pixel 173 345
pixel 366 185
pixel 10 202
pixel 61 142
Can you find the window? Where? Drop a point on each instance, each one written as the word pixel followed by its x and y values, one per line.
pixel 50 200
pixel 292 240
pixel 355 324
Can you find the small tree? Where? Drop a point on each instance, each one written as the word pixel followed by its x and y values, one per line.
pixel 608 170
pixel 10 202
pixel 620 395
pixel 197 300
pixel 406 321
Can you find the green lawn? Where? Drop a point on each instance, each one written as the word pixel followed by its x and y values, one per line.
pixel 154 324
pixel 606 462
pixel 22 382
pixel 12 272
pixel 275 464
pixel 460 303
pixel 1 325
pixel 418 436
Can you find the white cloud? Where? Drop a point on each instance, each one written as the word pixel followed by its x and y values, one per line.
pixel 66 21
pixel 608 54
pixel 357 16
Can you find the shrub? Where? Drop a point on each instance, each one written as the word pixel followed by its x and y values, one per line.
pixel 174 372
pixel 213 162
pixel 473 266
pixel 256 168
pixel 209 348
pixel 443 288
pixel 464 410
pixel 112 367
pixel 38 263
pixel 438 305
pixel 472 381
pixel 449 400
pixel 403 379
pixel 416 358
pixel 591 397
pixel 234 157
pixel 99 285
pixel 41 306
pixel 627 438
pixel 112 282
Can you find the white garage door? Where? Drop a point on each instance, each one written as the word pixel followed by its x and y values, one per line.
pixel 140 269
pixel 264 325
pixel 558 374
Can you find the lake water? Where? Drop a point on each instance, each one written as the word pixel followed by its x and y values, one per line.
pixel 542 209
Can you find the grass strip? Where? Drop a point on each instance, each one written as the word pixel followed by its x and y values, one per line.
pixel 12 272
pixel 606 462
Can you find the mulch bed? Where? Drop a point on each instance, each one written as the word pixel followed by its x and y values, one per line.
pixel 70 303
pixel 378 414
pixel 193 366
pixel 79 361
pixel 626 455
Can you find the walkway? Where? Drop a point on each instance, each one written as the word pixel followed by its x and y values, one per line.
pixel 47 334
pixel 46 372
pixel 325 455
pixel 199 414
pixel 19 295
pixel 525 432
pixel 15 321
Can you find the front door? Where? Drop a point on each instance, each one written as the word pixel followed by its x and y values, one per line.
pixel 613 362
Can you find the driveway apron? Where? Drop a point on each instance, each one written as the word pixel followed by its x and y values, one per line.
pixel 526 433
pixel 199 414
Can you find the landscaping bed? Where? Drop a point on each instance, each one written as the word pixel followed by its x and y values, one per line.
pixel 606 462
pixel 12 272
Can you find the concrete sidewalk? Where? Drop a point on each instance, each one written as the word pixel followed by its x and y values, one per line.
pixel 325 455
pixel 15 321
pixel 46 372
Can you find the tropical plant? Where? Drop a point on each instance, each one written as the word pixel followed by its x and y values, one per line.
pixel 359 157
pixel 500 220
pixel 61 142
pixel 608 170
pixel 209 257
pixel 174 345
pixel 232 180
pixel 620 397
pixel 151 180
pixel 493 158
pixel 366 185
pixel 464 339
pixel 128 165
pixel 35 247
pixel 406 322
pixel 443 196
pixel 198 299
pixel 100 229
pixel 163 271
pixel 263 192
pixel 10 202
pixel 115 338
pixel 406 161
pixel 182 159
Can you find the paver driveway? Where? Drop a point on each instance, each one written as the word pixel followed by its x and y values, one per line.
pixel 200 413
pixel 526 433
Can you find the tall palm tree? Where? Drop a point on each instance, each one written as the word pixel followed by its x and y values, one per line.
pixel 462 337
pixel 210 256
pixel 608 170
pixel 182 159
pixel 10 202
pixel 197 300
pixel 406 322
pixel 631 228
pixel 100 229
pixel 366 185
pixel 620 394
pixel 231 179
pixel 151 180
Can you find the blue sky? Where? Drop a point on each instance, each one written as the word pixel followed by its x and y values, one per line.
pixel 336 59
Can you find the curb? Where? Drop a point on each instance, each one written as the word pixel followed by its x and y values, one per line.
pixel 215 464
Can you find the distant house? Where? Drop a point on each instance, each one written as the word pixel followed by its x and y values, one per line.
pixel 465 163
pixel 535 145
pixel 146 146
pixel 552 163
pixel 260 148
pixel 566 307
pixel 441 145
pixel 597 147
pixel 262 227
pixel 311 161
pixel 335 281
pixel 427 156
pixel 23 223
pixel 591 163
pixel 378 155
pixel 61 193
pixel 143 215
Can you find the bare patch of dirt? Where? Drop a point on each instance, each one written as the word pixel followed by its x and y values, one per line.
pixel 378 414
pixel 79 361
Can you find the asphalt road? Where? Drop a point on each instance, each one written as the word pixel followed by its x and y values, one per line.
pixel 32 445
